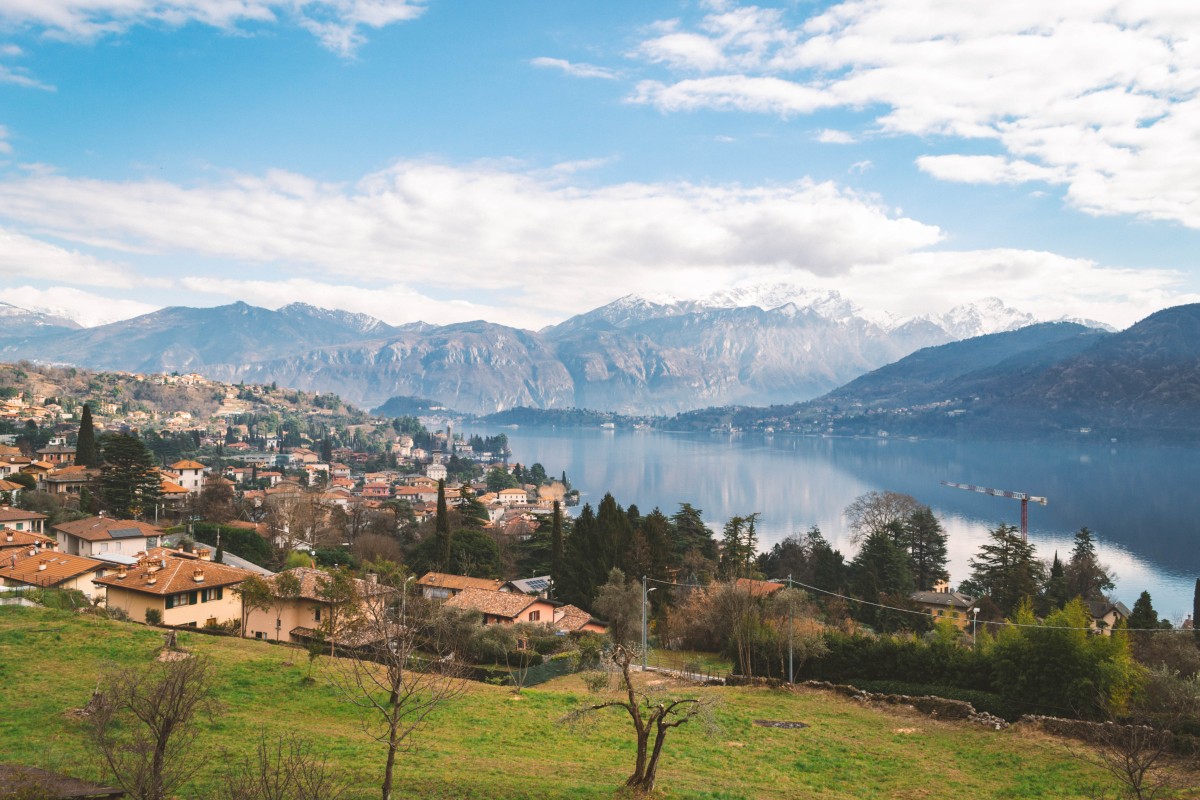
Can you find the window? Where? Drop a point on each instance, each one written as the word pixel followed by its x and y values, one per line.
pixel 104 547
pixel 211 594
pixel 191 598
pixel 317 613
pixel 941 613
pixel 535 616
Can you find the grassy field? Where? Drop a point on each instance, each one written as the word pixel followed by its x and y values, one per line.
pixel 489 743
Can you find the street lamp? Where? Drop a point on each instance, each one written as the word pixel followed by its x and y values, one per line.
pixel 974 617
pixel 645 594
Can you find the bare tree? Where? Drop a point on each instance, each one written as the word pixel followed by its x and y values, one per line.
pixel 649 716
pixel 286 768
pixel 146 721
pixel 394 688
pixel 256 594
pixel 1139 748
pixel 874 511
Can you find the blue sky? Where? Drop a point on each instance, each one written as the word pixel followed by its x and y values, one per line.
pixel 524 161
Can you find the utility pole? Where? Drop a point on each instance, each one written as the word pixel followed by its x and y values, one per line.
pixel 791 627
pixel 645 645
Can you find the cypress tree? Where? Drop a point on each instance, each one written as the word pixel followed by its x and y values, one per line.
pixel 130 483
pixel 85 447
pixel 443 526
pixel 1196 612
pixel 556 546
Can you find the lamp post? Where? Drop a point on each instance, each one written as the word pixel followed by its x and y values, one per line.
pixel 974 617
pixel 404 601
pixel 645 646
pixel 791 627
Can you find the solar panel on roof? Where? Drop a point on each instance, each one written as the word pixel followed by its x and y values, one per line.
pixel 538 584
pixel 125 533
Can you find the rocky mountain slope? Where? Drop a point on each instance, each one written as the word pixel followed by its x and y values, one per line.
pixel 754 345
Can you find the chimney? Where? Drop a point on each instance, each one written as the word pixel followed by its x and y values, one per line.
pixel 8 535
pixel 198 575
pixel 41 565
pixel 204 553
pixel 122 572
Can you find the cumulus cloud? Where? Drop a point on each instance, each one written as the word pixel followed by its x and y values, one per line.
pixel 86 308
pixel 445 243
pixel 338 24
pixel 575 69
pixel 24 256
pixel 548 241
pixel 1101 97
pixel 829 136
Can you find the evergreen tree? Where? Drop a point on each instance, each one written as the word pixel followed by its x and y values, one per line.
pixel 442 527
pixel 86 454
pixel 1086 576
pixel 556 547
pixel 130 483
pixel 692 534
pixel 1006 569
pixel 925 540
pixel 1196 612
pixel 880 574
pixel 1055 595
pixel 1143 615
pixel 739 544
pixel 326 450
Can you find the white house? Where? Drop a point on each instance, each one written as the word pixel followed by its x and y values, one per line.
pixel 191 475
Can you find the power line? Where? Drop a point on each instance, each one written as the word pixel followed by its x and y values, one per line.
pixel 1007 623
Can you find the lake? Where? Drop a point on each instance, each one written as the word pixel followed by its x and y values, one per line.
pixel 1141 503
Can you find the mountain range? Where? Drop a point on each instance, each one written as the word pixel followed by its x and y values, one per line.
pixel 757 345
pixel 1043 381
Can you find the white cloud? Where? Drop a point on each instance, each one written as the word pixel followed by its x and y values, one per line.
pixel 86 308
pixel 828 136
pixel 338 24
pixel 450 243
pixel 859 167
pixel 1100 96
pixel 23 256
pixel 578 70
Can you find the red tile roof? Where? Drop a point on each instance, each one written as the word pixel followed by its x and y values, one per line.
pixel 58 567
pixel 458 582
pixel 96 529
pixel 178 575
pixel 497 604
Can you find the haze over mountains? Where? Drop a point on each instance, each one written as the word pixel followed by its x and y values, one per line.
pixel 752 346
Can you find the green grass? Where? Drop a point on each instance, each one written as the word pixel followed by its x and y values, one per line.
pixel 487 743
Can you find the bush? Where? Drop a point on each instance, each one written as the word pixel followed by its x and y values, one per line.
pixel 153 616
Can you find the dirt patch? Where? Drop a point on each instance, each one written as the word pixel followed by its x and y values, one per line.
pixel 173 655
pixel 775 723
pixel 904 730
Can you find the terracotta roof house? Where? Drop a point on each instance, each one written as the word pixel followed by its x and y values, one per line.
pixel 172 494
pixel 49 569
pixel 946 605
pixel 105 538
pixel 71 480
pixel 307 615
pixel 573 619
pixel 11 539
pixel 57 455
pixel 21 520
pixel 191 475
pixel 442 586
pixel 504 607
pixel 758 588
pixel 185 590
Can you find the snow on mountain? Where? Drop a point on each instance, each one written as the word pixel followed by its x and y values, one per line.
pixel 36 317
pixel 989 315
pixel 362 323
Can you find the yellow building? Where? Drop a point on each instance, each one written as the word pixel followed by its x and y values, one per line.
pixel 184 588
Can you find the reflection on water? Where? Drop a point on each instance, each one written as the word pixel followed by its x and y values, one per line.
pixel 1141 502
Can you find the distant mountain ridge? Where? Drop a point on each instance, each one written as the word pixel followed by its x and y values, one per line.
pixel 767 344
pixel 1051 380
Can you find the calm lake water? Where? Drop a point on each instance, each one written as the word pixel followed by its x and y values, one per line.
pixel 1142 503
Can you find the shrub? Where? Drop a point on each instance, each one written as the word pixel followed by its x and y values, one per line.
pixel 153 616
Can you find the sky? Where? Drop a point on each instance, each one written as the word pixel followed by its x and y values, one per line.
pixel 527 160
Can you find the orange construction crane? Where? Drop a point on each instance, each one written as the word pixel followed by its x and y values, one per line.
pixel 1022 496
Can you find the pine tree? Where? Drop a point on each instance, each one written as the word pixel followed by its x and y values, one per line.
pixel 925 541
pixel 1086 576
pixel 86 454
pixel 1056 594
pixel 130 483
pixel 1006 569
pixel 442 529
pixel 1143 615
